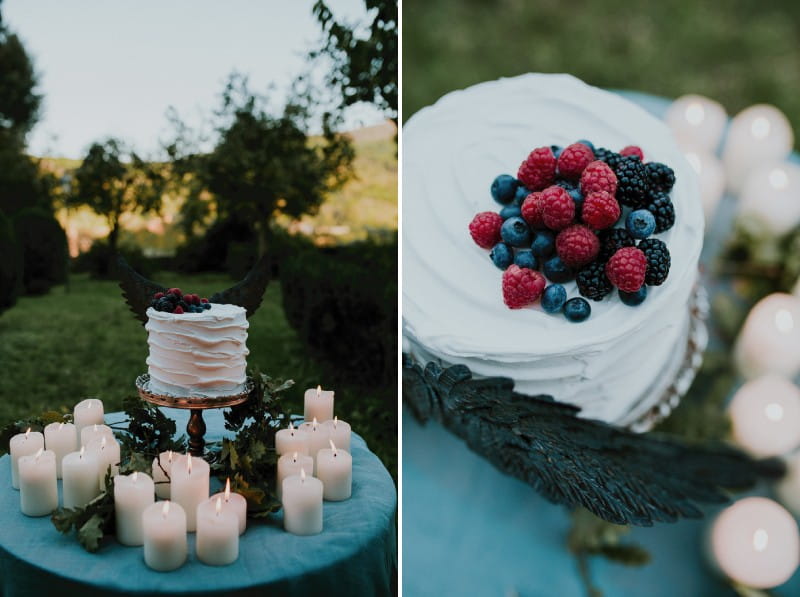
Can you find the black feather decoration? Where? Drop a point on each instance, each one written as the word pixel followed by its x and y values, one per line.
pixel 620 476
pixel 137 290
pixel 249 292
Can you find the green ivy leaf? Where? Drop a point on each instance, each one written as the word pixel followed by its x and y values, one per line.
pixel 91 533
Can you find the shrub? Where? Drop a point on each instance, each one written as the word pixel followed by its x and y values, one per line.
pixel 44 249
pixel 210 252
pixel 100 261
pixel 10 265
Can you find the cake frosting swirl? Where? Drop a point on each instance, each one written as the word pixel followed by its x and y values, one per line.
pixel 453 312
pixel 198 354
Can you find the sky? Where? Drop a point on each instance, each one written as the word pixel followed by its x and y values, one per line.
pixel 113 67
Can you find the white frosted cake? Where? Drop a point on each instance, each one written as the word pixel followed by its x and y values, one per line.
pixel 198 354
pixel 613 365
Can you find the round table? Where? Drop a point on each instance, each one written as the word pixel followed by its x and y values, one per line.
pixel 470 530
pixel 356 553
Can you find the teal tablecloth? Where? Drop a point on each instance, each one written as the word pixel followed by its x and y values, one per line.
pixel 470 530
pixel 356 554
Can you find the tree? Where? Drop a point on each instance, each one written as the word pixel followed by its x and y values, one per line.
pixel 113 180
pixel 365 67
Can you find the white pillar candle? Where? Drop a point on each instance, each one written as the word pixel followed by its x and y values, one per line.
pixel 758 134
pixel 88 412
pixel 290 464
pixel 335 470
pixel 769 341
pixel 162 472
pixel 290 440
pixel 164 530
pixel 711 178
pixel 23 444
pixel 756 543
pixel 318 404
pixel 231 502
pixel 79 470
pixel 38 486
pixel 302 504
pixel 132 495
pixel 217 535
pixel 318 437
pixel 108 456
pixel 765 416
pixel 189 487
pixel 61 438
pixel 95 431
pixel 339 433
pixel 696 121
pixel 771 195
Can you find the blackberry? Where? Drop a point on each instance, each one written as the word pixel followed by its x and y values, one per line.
pixel 658 261
pixel 164 304
pixel 660 176
pixel 611 158
pixel 592 281
pixel 631 182
pixel 660 205
pixel 613 239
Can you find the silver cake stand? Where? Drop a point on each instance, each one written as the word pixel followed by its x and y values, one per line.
pixel 196 428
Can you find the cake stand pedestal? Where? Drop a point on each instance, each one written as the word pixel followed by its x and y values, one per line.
pixel 196 427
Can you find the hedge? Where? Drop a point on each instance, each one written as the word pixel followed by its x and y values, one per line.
pixel 44 249
pixel 10 265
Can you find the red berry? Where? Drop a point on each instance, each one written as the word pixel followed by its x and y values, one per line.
pixel 203 300
pixel 531 210
pixel 558 208
pixel 633 150
pixel 158 295
pixel 538 170
pixel 192 299
pixel 178 310
pixel 627 268
pixel 522 286
pixel 600 210
pixel 573 160
pixel 485 229
pixel 598 176
pixel 176 291
pixel 577 245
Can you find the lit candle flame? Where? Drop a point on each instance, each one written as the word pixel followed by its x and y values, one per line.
pixel 760 127
pixel 774 411
pixel 27 433
pixel 169 456
pixel 228 489
pixel 314 424
pixel 302 475
pixel 333 447
pixel 335 421
pixel 165 509
pixel 291 427
pixel 103 443
pixel 219 505
pixel 760 540
pixel 784 321
pixel 188 464
pixel 135 476
pixel 695 113
pixel 95 427
pixel 319 391
pixel 82 450
pixel 39 453
pixel 294 458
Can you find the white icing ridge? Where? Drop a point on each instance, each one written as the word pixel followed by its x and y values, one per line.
pixel 453 308
pixel 198 354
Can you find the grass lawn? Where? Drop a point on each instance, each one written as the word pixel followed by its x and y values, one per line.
pixel 81 340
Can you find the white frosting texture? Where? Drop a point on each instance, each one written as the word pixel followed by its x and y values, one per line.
pixel 198 354
pixel 453 308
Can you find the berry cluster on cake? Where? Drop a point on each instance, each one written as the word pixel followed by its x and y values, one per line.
pixel 618 361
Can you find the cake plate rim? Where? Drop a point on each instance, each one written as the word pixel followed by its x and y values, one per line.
pixel 191 402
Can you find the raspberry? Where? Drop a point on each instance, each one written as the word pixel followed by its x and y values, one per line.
pixel 658 261
pixel 176 291
pixel 521 286
pixel 485 229
pixel 631 182
pixel 178 310
pixel 633 150
pixel 558 208
pixel 612 240
pixel 203 300
pixel 593 282
pixel 661 207
pixel 660 176
pixel 573 160
pixel 627 268
pixel 532 210
pixel 158 295
pixel 538 170
pixel 598 176
pixel 600 210
pixel 577 245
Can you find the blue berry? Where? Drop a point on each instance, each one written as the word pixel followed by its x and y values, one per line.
pixel 522 192
pixel 554 298
pixel 502 255
pixel 515 232
pixel 588 144
pixel 544 244
pixel 164 304
pixel 205 306
pixel 504 188
pixel 577 309
pixel 526 258
pixel 557 271
pixel 556 149
pixel 510 211
pixel 640 223
pixel 632 299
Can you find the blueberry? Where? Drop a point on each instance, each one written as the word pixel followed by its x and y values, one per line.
pixel 640 223
pixel 504 188
pixel 206 306
pixel 502 255
pixel 554 298
pixel 588 144
pixel 510 211
pixel 556 149
pixel 164 304
pixel 526 258
pixel 522 192
pixel 515 232
pixel 557 271
pixel 183 305
pixel 577 309
pixel 544 244
pixel 633 299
